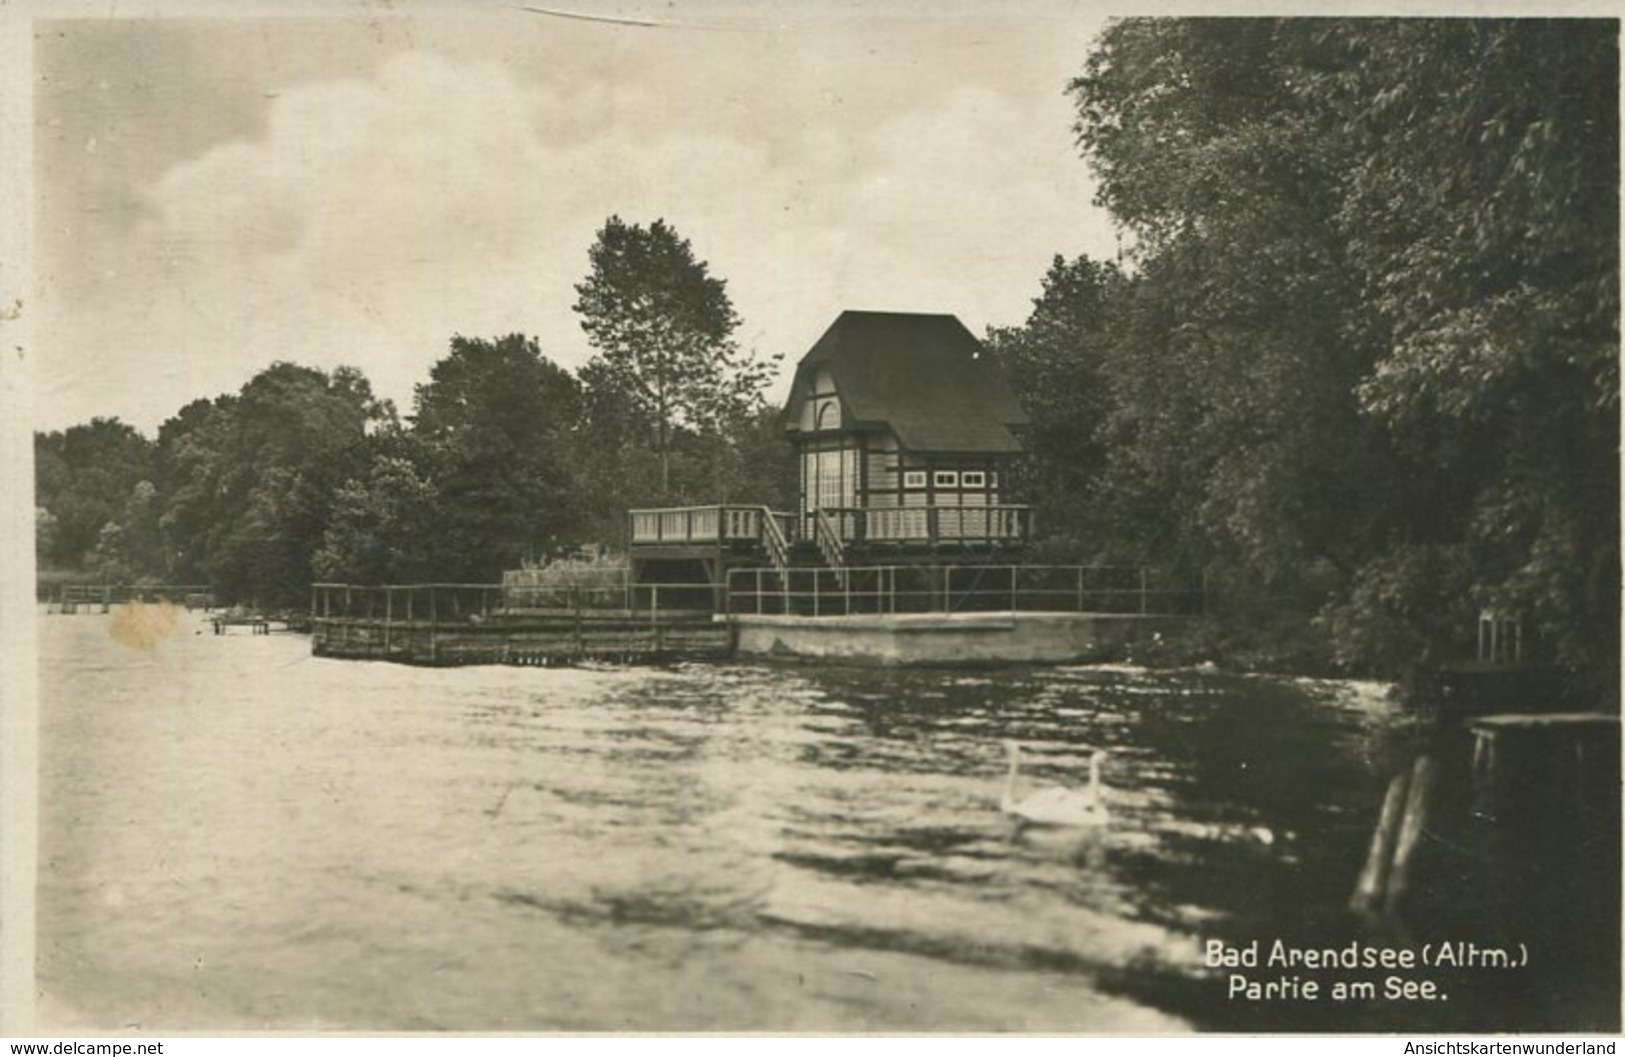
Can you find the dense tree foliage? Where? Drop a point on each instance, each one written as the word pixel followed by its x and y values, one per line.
pixel 1367 354
pixel 1058 363
pixel 83 477
pixel 1485 236
pixel 258 472
pixel 495 428
pixel 382 528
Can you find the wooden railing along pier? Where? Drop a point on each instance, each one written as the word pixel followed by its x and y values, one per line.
pixel 454 624
pixel 89 597
pixel 877 589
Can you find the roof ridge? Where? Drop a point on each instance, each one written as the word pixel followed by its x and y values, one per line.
pixel 896 312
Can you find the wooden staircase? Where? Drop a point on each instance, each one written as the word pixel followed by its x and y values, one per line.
pixel 830 546
pixel 777 547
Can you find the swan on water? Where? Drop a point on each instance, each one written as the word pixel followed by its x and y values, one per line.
pixel 1055 805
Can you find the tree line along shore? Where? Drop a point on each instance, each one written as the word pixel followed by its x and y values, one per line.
pixel 1356 365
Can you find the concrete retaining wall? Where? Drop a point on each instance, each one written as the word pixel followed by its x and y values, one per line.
pixel 957 638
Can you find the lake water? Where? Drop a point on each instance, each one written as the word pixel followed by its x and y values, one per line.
pixel 236 835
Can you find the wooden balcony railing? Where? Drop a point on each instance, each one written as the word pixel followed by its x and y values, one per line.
pixel 704 524
pixel 934 524
pixel 722 524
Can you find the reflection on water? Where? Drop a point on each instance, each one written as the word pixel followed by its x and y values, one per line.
pixel 237 835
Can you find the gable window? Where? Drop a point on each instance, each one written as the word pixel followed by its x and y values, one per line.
pixel 945 479
pixel 973 479
pixel 913 478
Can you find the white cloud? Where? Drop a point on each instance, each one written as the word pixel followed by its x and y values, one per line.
pixel 375 216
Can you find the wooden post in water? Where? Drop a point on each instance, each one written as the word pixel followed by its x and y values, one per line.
pixel 1013 606
pixel 389 615
pixel 1417 800
pixel 1368 891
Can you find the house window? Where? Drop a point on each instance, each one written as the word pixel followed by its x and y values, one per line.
pixel 835 479
pixel 913 478
pixel 945 479
pixel 973 479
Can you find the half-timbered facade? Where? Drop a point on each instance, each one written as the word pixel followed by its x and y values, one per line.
pixel 905 432
pixel 904 429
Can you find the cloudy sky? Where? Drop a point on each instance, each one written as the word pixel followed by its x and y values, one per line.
pixel 214 194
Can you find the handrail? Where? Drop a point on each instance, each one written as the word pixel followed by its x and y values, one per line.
pixel 778 548
pixel 829 545
pixel 709 523
pixel 394 603
pixel 952 588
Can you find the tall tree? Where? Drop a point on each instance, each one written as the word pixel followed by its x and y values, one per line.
pixel 663 327
pixel 496 427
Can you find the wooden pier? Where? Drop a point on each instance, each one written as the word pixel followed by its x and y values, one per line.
pixel 457 624
pixel 632 622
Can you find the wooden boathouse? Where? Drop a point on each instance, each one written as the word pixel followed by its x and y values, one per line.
pixel 904 433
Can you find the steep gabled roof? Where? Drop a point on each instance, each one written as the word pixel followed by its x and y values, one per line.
pixel 924 376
